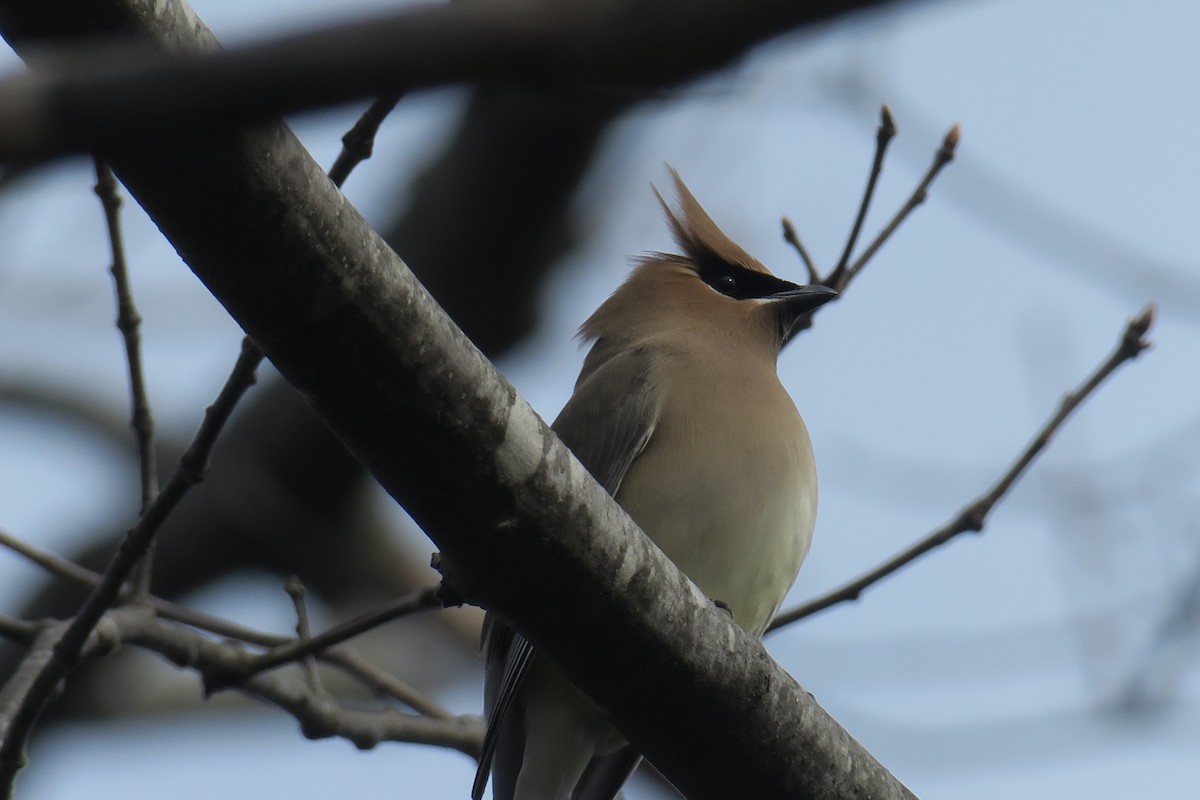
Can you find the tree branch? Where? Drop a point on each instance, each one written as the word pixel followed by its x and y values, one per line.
pixel 129 323
pixel 973 516
pixel 304 646
pixel 846 271
pixel 345 659
pixel 115 97
pixel 68 649
pixel 943 156
pixel 295 590
pixel 17 630
pixel 358 144
pixel 319 714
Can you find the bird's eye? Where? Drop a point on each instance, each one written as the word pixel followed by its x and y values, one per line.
pixel 726 284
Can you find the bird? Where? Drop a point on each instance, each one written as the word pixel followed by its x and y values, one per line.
pixel 678 412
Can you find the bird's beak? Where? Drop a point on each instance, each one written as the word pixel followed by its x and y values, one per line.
pixel 803 299
pixel 795 304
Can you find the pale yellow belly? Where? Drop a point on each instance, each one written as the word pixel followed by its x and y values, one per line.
pixel 739 524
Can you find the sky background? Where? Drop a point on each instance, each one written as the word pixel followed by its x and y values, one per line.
pixel 1054 656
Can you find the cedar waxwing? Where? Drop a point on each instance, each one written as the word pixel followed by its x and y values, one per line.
pixel 679 414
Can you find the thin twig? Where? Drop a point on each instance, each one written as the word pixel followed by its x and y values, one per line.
pixel 974 515
pixel 129 324
pixel 19 685
pixel 943 156
pixel 299 648
pixel 841 275
pixel 65 568
pixel 382 682
pixel 883 137
pixel 18 630
pixel 790 236
pixel 344 659
pixel 358 144
pixel 295 590
pixel 319 715
pixel 52 563
pixel 190 471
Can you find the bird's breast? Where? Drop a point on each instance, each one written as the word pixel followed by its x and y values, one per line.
pixel 727 486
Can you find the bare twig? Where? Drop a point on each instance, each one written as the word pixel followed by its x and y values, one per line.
pixel 190 471
pixel 358 144
pixel 382 682
pixel 790 236
pixel 943 156
pixel 845 271
pixel 319 715
pixel 417 601
pixel 129 324
pixel 883 137
pixel 52 563
pixel 974 515
pixel 17 630
pixel 343 658
pixel 295 590
pixel 19 686
pixel 841 275
pixel 64 568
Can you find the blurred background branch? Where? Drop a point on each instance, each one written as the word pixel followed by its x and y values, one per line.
pixel 613 47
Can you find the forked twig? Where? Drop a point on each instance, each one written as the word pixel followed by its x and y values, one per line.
pixel 943 156
pixel 846 270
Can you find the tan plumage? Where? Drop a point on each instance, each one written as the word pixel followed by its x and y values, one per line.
pixel 678 413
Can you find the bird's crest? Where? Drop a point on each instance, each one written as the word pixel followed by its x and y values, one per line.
pixel 695 231
pixel 636 306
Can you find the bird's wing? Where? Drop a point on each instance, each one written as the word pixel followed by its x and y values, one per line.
pixel 605 776
pixel 612 413
pixel 506 658
pixel 606 424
